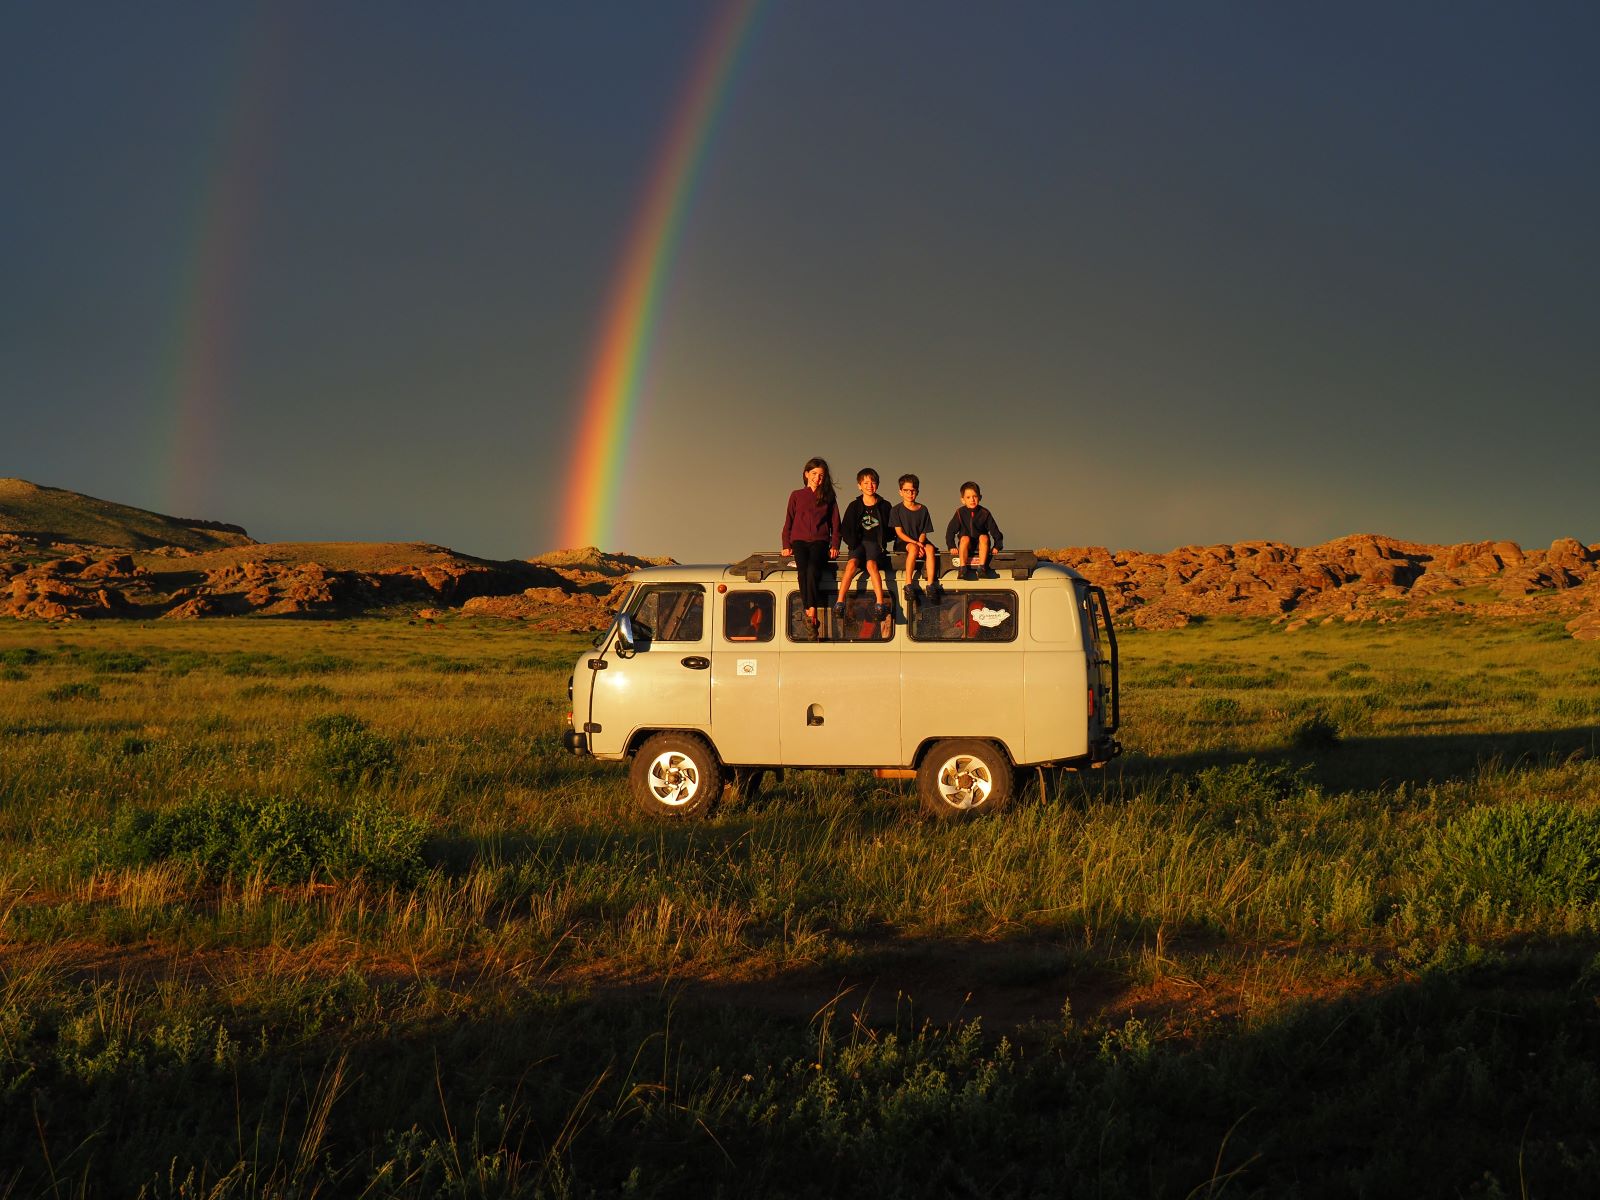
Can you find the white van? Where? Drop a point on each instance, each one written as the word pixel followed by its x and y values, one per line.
pixel 711 677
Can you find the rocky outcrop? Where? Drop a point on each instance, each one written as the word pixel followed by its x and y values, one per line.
pixel 544 608
pixel 1361 577
pixel 68 588
pixel 54 581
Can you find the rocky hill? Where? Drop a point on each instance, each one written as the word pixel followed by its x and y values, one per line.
pixel 65 556
pixel 1358 578
pixel 330 579
pixel 55 515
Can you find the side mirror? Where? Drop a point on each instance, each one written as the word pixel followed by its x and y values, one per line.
pixel 625 634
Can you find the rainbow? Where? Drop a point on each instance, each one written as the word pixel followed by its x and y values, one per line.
pixel 211 280
pixel 627 332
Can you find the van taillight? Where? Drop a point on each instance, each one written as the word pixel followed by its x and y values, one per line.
pixel 1091 704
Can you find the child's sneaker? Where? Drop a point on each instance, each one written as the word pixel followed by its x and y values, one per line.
pixel 969 574
pixel 935 592
pixel 913 594
pixel 838 610
pixel 881 611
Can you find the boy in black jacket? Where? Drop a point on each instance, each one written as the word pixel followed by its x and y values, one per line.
pixel 866 529
pixel 972 534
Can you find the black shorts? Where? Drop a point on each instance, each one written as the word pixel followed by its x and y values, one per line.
pixel 867 551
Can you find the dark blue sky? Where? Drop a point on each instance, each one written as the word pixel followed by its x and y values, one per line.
pixel 1153 274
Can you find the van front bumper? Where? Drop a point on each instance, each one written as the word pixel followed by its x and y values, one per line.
pixel 575 742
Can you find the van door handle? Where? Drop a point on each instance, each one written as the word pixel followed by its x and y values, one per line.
pixel 696 663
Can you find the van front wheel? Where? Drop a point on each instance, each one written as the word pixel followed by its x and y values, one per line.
pixel 675 776
pixel 963 778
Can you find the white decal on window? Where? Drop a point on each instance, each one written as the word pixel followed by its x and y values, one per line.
pixel 989 618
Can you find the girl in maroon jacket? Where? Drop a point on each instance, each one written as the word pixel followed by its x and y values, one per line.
pixel 811 531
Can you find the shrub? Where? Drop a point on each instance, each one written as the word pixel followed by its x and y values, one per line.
pixel 285 838
pixel 243 663
pixel 345 752
pixel 112 662
pixel 1574 708
pixel 1241 681
pixel 12 674
pixel 181 662
pixel 1243 795
pixel 73 691
pixel 1529 856
pixel 1315 730
pixel 21 656
pixel 1217 708
pixel 1352 715
pixel 319 664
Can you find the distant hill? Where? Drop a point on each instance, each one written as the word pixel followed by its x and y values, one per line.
pixel 594 561
pixel 57 515
pixel 342 556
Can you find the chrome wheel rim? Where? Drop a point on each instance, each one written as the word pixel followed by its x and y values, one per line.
pixel 964 781
pixel 673 778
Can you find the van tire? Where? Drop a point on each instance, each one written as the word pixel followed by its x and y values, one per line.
pixel 676 777
pixel 964 777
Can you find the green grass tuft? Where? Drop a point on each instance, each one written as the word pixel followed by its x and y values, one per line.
pixel 346 753
pixel 285 839
pixel 1522 857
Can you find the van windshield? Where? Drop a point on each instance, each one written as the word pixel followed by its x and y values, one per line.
pixel 671 612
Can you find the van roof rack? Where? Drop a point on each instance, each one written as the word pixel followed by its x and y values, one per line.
pixel 756 567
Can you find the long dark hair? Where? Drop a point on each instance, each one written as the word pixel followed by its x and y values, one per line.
pixel 825 493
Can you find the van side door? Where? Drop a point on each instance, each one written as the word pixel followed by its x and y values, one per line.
pixel 744 676
pixel 839 693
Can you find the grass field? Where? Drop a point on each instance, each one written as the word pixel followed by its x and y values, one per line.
pixel 294 909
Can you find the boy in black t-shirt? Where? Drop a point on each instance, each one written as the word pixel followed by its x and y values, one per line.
pixel 972 533
pixel 866 528
pixel 913 527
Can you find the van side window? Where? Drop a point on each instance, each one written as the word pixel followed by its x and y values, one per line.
pixel 670 612
pixel 748 617
pixel 975 616
pixel 859 624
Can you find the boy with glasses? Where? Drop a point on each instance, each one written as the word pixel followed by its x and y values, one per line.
pixel 912 528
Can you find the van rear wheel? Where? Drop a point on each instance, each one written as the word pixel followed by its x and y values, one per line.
pixel 676 777
pixel 963 777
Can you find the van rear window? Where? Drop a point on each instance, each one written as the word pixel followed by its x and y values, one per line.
pixel 975 616
pixel 748 617
pixel 860 623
